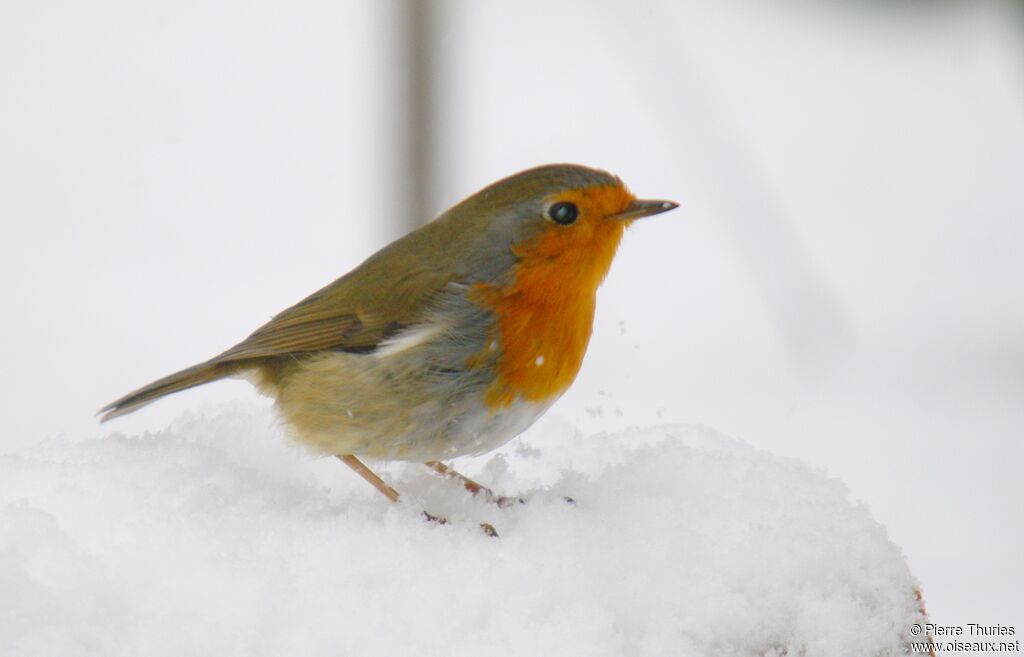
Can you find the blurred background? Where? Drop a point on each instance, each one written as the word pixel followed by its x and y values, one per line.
pixel 842 282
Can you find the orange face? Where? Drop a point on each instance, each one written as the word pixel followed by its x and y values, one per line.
pixel 546 314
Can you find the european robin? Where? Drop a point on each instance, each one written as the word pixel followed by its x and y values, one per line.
pixel 449 341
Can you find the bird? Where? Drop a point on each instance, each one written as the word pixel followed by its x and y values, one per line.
pixel 448 342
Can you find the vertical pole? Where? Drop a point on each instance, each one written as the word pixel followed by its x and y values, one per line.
pixel 421 80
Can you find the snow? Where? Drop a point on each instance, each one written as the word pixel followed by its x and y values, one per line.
pixel 840 284
pixel 220 536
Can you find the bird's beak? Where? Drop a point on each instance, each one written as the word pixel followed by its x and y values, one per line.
pixel 640 208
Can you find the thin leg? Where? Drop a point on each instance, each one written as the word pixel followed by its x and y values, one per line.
pixel 473 487
pixel 392 494
pixel 369 475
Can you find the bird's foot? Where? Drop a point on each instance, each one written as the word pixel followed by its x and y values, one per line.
pixel 473 487
pixel 438 520
pixel 486 527
pixel 502 501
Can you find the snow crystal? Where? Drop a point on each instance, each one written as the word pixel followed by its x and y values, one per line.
pixel 219 537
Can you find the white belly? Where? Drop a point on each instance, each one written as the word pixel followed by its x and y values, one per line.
pixel 481 431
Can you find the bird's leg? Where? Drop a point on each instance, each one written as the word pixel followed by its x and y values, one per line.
pixel 392 494
pixel 381 485
pixel 369 475
pixel 473 487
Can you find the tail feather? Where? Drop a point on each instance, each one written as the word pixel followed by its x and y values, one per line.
pixel 187 378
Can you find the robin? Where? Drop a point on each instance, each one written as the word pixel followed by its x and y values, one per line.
pixel 451 340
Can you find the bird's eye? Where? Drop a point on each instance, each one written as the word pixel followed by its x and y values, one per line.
pixel 563 213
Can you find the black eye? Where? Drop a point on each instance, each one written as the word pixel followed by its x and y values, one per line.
pixel 563 213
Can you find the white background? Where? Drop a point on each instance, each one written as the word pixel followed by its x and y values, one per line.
pixel 841 284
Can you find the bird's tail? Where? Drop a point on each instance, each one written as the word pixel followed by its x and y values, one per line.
pixel 187 378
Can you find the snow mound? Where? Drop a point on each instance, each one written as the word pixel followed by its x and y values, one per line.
pixel 219 537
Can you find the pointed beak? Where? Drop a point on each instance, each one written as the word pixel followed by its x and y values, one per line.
pixel 640 208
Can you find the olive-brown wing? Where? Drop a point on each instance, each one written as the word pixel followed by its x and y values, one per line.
pixel 355 313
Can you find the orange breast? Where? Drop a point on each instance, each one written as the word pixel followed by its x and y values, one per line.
pixel 546 315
